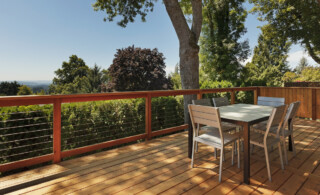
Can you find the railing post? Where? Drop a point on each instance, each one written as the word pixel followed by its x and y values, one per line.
pixel 256 94
pixel 57 131
pixel 199 95
pixel 314 104
pixel 232 97
pixel 148 116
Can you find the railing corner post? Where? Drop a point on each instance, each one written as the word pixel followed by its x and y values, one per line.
pixel 57 131
pixel 148 116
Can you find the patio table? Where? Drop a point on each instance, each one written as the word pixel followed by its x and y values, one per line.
pixel 245 115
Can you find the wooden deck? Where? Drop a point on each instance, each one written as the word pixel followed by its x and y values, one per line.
pixel 161 166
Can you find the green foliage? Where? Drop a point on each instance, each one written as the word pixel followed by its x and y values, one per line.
pixel 128 10
pixel 96 78
pixel 24 90
pixel 294 19
pixel 221 49
pixel 9 88
pixel 289 77
pixel 206 83
pixel 76 77
pixel 175 78
pixel 27 130
pixel 269 62
pixel 311 74
pixel 135 69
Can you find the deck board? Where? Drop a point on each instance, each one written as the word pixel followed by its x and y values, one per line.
pixel 161 166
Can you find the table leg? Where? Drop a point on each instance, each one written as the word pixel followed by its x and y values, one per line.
pixel 246 157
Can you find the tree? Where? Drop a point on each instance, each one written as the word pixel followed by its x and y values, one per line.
pixel 310 74
pixel 9 88
pixel 24 90
pixel 175 78
pixel 302 65
pixel 221 50
pixel 135 69
pixel 269 62
pixel 69 76
pixel 289 77
pixel 188 36
pixel 96 79
pixel 297 20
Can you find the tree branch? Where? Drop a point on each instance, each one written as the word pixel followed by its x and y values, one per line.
pixel 197 18
pixel 177 18
pixel 311 52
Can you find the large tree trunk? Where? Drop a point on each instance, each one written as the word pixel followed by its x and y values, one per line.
pixel 189 49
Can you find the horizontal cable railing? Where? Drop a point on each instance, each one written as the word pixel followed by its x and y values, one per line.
pixel 60 126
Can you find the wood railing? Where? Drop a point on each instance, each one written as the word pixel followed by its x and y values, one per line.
pixel 57 100
pixel 308 97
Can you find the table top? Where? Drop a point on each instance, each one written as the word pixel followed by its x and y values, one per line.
pixel 244 112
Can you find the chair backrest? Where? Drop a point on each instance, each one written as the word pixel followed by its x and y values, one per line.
pixel 270 101
pixel 204 115
pixel 220 101
pixel 291 113
pixel 202 102
pixel 276 119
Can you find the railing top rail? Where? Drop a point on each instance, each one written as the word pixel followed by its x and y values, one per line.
pixel 50 99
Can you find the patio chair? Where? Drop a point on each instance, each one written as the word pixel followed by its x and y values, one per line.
pixel 210 116
pixel 270 101
pixel 228 127
pixel 220 101
pixel 223 101
pixel 285 132
pixel 265 140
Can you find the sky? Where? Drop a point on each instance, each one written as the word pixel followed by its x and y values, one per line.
pixel 36 36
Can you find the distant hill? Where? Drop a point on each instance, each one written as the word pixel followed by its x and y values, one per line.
pixel 36 86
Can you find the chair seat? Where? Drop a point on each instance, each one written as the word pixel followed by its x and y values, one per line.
pixel 225 127
pixel 261 128
pixel 256 138
pixel 213 138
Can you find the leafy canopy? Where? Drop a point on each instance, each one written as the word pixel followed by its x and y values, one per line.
pixel 24 90
pixel 269 62
pixel 9 88
pixel 221 49
pixel 136 69
pixel 128 9
pixel 298 20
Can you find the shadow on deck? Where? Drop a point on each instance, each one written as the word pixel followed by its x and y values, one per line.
pixel 161 166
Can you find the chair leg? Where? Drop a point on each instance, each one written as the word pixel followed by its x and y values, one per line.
pixel 196 146
pixel 285 151
pixel 215 153
pixel 232 154
pixel 267 161
pixel 235 148
pixel 280 153
pixel 193 153
pixel 238 148
pixel 221 161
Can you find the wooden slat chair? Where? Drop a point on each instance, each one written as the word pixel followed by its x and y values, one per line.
pixel 210 116
pixel 223 101
pixel 285 132
pixel 265 140
pixel 227 127
pixel 220 101
pixel 270 101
